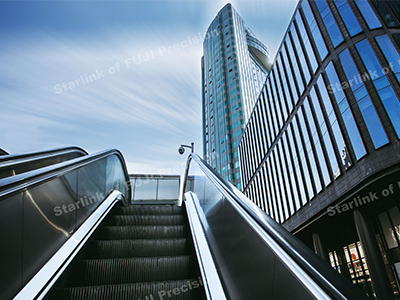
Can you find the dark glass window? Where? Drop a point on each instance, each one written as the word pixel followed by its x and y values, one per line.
pixel 382 84
pixel 365 104
pixel 329 21
pixel 285 186
pixel 335 89
pixel 280 93
pixel 386 13
pixel 368 14
pixel 278 185
pixel 272 109
pixel 348 17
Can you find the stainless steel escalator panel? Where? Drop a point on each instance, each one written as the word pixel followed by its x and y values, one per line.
pixel 11 245
pixel 42 208
pixel 256 257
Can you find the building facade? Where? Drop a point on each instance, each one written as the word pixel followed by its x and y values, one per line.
pixel 321 153
pixel 234 68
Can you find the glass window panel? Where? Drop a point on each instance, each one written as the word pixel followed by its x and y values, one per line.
pixel 285 186
pixel 289 74
pixel 330 23
pixel 368 14
pixel 296 167
pixel 272 109
pixel 306 42
pixel 303 161
pixel 295 65
pixel 291 181
pixel 288 95
pixel 340 144
pixel 325 134
pixel 168 189
pixel 276 104
pixel 309 150
pixel 280 93
pixel 280 188
pixel 348 17
pixel 392 106
pixel 317 144
pixel 273 191
pixel 303 64
pixel 348 119
pixel 387 95
pixel 390 52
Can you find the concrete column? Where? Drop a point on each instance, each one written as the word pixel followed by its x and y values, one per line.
pixel 373 257
pixel 319 248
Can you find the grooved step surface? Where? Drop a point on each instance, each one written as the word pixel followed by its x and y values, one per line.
pixel 143 232
pixel 138 248
pixel 149 220
pixel 188 289
pixel 129 270
pixel 152 210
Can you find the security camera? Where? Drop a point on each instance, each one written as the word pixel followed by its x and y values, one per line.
pixel 181 150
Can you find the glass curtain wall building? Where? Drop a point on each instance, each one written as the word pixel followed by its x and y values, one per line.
pixel 234 68
pixel 321 151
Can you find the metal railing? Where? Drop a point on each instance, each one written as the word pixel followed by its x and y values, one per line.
pixel 45 207
pixel 256 257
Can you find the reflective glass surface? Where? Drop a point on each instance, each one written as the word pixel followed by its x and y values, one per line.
pixel 340 143
pixel 315 31
pixel 335 88
pixel 317 144
pixel 330 23
pixel 368 111
pixel 295 65
pixel 378 75
pixel 368 14
pixel 306 41
pixel 348 17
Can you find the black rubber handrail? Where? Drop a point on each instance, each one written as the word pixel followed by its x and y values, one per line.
pixel 334 284
pixel 19 182
pixel 3 152
pixel 32 155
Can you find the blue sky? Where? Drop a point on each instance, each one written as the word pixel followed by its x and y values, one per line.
pixel 143 60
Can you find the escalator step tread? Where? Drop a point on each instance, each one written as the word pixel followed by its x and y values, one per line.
pixel 187 289
pixel 142 232
pixel 125 220
pixel 125 270
pixel 138 248
pixel 152 210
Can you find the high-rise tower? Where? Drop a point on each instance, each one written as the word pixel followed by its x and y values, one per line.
pixel 234 68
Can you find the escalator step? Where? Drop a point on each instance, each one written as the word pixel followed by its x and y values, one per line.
pixel 149 220
pixel 127 270
pixel 143 232
pixel 138 248
pixel 188 289
pixel 152 210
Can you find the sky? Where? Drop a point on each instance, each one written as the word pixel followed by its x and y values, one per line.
pixel 114 74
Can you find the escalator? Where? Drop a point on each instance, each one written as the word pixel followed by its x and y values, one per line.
pixel 70 231
pixel 140 251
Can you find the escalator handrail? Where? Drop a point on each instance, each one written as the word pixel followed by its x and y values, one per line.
pixel 48 275
pixel 19 158
pixel 19 182
pixel 3 152
pixel 325 277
